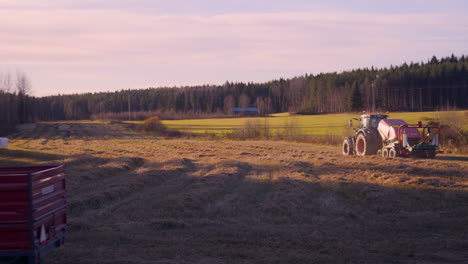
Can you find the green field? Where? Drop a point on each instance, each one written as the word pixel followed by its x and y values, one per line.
pixel 308 125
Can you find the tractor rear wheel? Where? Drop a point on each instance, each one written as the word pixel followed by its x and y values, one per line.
pixel 348 146
pixel 363 147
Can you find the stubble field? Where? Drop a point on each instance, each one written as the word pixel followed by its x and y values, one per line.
pixel 137 199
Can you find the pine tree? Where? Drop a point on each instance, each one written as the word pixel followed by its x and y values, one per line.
pixel 356 98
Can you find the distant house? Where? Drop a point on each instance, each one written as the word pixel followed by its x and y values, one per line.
pixel 246 111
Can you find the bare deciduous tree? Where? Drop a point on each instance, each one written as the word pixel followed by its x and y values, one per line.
pixel 7 100
pixel 264 105
pixel 23 88
pixel 23 85
pixel 5 82
pixel 228 104
pixel 244 101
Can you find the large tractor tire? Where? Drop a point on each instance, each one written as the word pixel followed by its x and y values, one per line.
pixel 348 147
pixel 365 146
pixel 361 145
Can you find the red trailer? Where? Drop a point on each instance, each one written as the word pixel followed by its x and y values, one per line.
pixel 33 218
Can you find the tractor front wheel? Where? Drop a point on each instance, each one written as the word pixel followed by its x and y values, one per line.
pixel 348 146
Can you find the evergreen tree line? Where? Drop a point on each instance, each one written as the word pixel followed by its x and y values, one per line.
pixel 425 86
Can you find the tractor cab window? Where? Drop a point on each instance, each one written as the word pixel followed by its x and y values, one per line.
pixel 374 122
pixel 365 122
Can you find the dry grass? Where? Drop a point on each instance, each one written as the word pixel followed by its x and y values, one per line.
pixel 153 125
pixel 454 138
pixel 134 199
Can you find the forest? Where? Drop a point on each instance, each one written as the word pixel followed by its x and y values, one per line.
pixel 417 86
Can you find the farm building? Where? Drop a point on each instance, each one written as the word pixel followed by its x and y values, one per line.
pixel 246 111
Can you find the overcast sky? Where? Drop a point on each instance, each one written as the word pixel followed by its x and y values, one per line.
pixel 72 46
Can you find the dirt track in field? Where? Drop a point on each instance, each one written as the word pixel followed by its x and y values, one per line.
pixel 136 199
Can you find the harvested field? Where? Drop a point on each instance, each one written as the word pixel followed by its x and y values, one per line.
pixel 137 199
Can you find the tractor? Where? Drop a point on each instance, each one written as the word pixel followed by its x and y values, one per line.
pixel 391 138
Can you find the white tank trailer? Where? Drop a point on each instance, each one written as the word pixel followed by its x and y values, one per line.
pixel 391 138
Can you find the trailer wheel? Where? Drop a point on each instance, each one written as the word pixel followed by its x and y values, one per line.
pixel 385 153
pixel 379 152
pixel 348 146
pixel 392 153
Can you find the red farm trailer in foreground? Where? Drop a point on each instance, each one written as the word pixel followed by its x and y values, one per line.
pixel 33 217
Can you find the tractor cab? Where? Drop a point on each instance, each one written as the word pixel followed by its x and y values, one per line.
pixel 368 121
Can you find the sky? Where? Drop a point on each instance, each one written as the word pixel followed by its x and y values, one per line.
pixel 72 46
